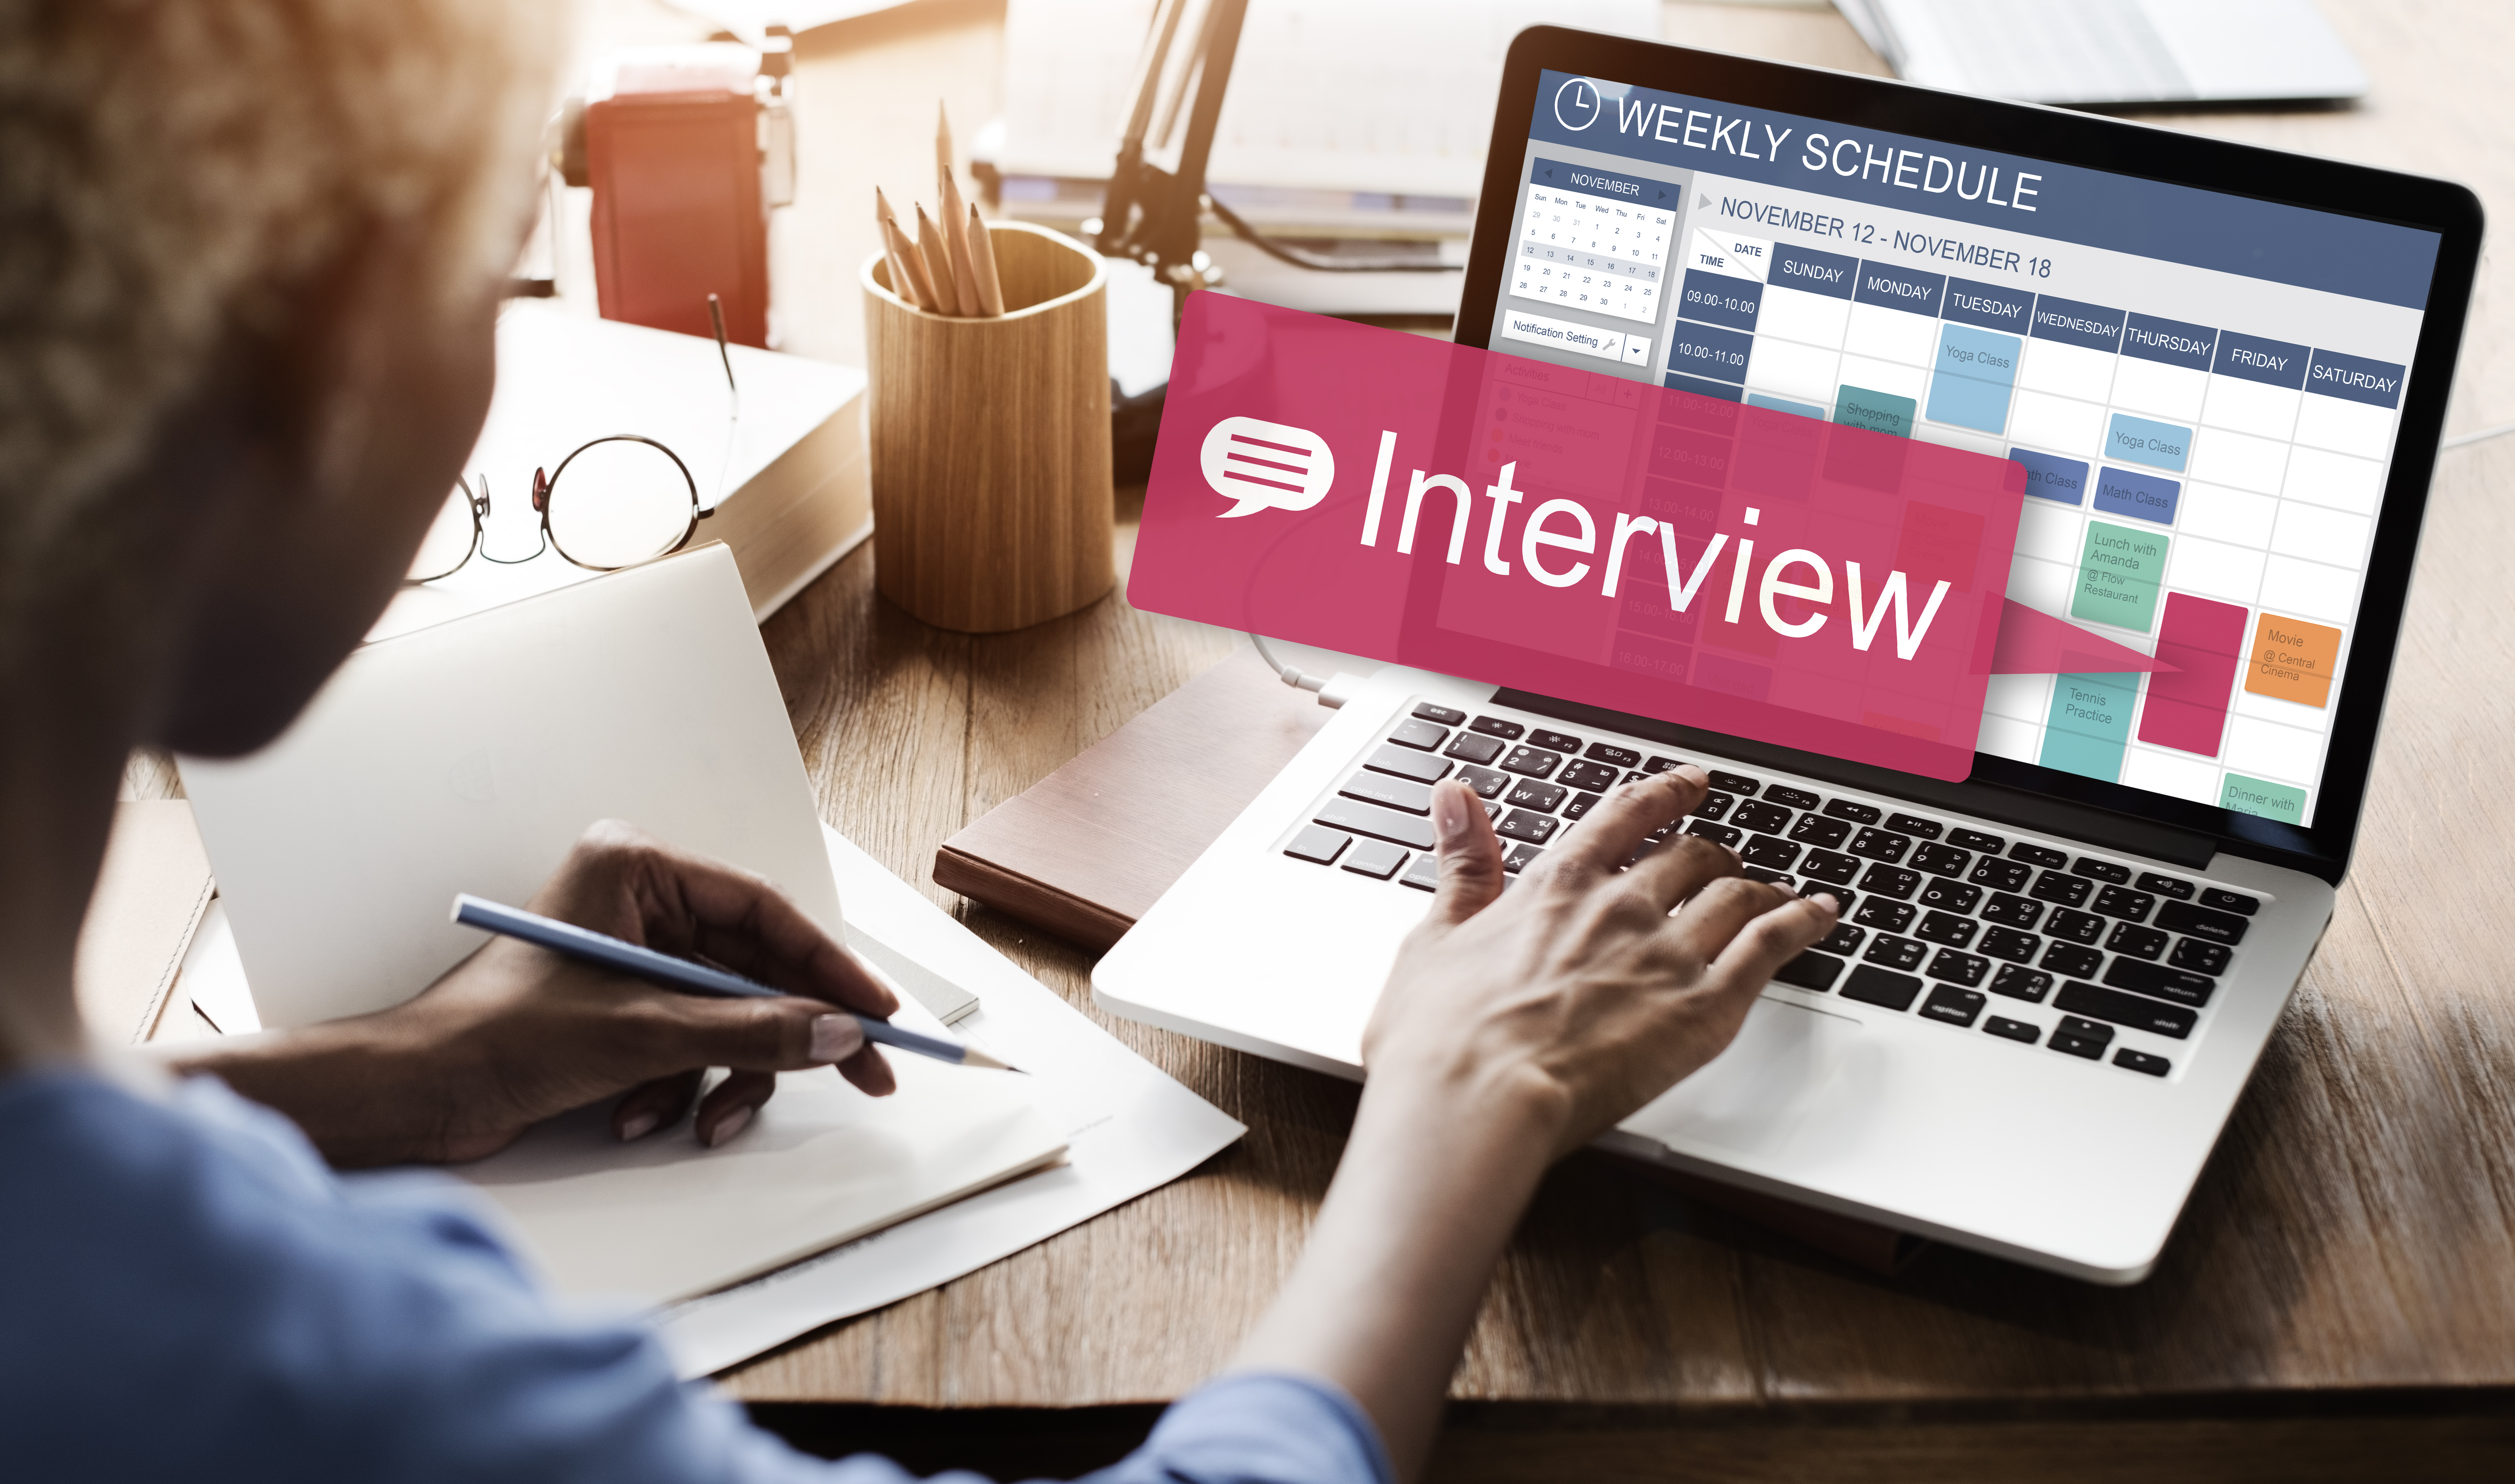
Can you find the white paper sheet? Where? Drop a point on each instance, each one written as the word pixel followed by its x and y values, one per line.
pixel 214 976
pixel 1129 1128
pixel 666 1219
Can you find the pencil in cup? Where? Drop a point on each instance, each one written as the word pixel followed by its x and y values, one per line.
pixel 982 259
pixel 907 269
pixel 686 977
pixel 937 256
pixel 950 268
pixel 973 260
pixel 956 245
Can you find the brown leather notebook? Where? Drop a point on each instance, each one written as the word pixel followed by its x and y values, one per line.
pixel 1085 850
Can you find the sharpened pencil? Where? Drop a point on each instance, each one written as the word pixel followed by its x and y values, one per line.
pixel 886 227
pixel 982 260
pixel 911 274
pixel 955 246
pixel 938 262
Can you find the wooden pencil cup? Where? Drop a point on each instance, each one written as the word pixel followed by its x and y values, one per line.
pixel 990 443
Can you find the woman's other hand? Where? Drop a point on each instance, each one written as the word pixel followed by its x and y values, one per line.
pixel 1576 995
pixel 516 1034
pixel 1517 1025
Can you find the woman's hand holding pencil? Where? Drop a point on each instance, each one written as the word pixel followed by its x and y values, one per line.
pixel 950 268
pixel 513 1035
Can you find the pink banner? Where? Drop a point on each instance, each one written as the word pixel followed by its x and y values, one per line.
pixel 1579 535
pixel 2205 643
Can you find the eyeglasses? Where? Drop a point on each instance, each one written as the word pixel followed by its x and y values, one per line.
pixel 614 503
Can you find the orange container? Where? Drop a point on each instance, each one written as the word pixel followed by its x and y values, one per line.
pixel 678 213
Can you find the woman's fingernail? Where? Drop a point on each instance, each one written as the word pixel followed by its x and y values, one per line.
pixel 1828 900
pixel 728 1127
pixel 638 1128
pixel 836 1038
pixel 1691 774
pixel 1450 811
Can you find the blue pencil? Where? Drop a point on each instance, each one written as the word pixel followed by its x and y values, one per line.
pixel 686 976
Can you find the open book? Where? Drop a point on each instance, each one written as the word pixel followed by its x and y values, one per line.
pixel 788 477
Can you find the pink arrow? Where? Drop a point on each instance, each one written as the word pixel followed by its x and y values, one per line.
pixel 2035 643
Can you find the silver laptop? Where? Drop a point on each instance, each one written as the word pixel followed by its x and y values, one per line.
pixel 2057 974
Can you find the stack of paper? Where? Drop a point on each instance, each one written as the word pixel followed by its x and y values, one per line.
pixel 822 1164
pixel 470 756
pixel 1128 1125
pixel 1360 126
pixel 1394 98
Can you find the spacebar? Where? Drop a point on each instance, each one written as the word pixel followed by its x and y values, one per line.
pixel 1378 823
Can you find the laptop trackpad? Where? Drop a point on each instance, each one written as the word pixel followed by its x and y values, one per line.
pixel 1788 1060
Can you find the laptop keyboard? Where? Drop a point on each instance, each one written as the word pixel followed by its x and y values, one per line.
pixel 2036 943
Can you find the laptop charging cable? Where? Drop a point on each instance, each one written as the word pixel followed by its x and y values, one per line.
pixel 1333 691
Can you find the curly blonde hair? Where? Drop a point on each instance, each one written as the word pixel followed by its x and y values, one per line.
pixel 170 168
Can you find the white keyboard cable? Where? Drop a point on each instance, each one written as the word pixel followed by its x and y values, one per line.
pixel 1333 691
pixel 2483 436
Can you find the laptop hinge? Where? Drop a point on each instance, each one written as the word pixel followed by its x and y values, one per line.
pixel 1996 802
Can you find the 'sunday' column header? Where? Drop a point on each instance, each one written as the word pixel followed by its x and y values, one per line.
pixel 2177 224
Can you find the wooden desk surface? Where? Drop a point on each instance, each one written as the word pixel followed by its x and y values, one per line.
pixel 2352 1233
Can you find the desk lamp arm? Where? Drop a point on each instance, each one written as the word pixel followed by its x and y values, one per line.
pixel 1155 216
pixel 1151 215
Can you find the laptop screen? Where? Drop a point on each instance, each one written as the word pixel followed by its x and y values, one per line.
pixel 2202 390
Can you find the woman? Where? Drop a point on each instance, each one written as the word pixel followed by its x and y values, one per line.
pixel 248 275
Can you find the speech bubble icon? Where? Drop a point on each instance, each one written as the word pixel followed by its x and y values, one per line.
pixel 1266 464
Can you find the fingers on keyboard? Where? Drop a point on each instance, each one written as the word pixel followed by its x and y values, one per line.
pixel 1683 868
pixel 1925 903
pixel 1621 817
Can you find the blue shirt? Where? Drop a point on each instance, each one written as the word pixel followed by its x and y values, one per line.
pixel 188 1292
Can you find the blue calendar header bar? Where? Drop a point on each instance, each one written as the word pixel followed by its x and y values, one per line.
pixel 2065 203
pixel 1590 179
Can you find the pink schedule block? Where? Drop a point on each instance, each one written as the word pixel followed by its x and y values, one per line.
pixel 2187 707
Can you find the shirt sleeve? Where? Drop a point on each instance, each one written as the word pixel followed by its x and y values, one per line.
pixel 1259 1428
pixel 194 1262
pixel 1256 1428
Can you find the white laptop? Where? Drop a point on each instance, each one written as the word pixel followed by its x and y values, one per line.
pixel 2057 973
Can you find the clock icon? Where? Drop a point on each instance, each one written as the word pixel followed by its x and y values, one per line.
pixel 1575 104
